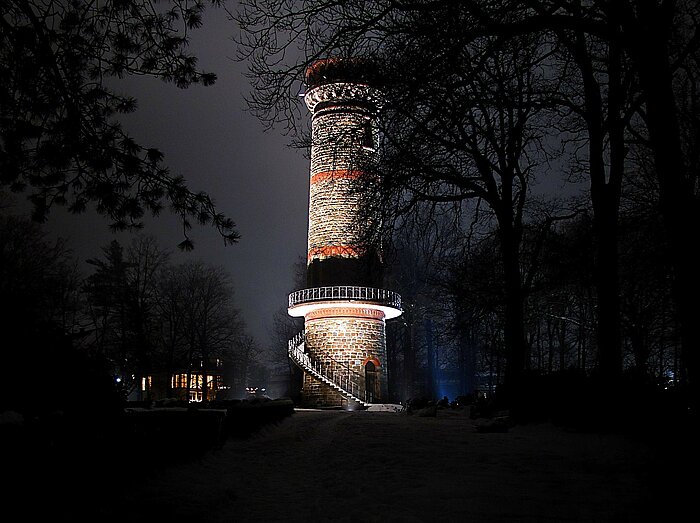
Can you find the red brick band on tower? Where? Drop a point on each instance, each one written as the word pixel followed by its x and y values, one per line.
pixel 334 251
pixel 337 174
pixel 340 312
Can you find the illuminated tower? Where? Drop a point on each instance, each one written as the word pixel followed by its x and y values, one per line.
pixel 342 349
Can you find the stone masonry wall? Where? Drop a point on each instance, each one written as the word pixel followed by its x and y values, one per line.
pixel 349 341
pixel 343 140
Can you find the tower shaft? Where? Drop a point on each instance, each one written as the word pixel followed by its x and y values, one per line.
pixel 343 352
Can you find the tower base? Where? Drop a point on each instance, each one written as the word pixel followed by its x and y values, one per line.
pixel 317 394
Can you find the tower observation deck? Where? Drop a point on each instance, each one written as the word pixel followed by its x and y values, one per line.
pixel 342 349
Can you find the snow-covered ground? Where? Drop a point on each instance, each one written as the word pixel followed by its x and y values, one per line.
pixel 333 465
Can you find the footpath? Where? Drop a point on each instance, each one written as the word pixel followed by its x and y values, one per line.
pixel 332 465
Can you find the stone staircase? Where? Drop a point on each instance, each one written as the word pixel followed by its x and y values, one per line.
pixel 342 382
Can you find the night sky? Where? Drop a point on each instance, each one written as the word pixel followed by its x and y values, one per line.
pixel 253 176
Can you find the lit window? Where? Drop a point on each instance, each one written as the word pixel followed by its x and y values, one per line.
pixel 368 135
pixel 178 381
pixel 195 395
pixel 196 381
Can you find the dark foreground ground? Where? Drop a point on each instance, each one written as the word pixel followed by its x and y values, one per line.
pixel 381 466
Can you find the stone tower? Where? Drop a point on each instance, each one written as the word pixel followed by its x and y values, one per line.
pixel 342 349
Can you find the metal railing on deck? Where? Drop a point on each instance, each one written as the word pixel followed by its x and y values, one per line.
pixel 346 292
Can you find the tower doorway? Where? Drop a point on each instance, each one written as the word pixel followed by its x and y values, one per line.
pixel 372 380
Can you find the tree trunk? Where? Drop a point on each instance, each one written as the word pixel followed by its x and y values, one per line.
pixel 467 360
pixel 431 377
pixel 607 286
pixel 409 358
pixel 605 198
pixel 679 205
pixel 513 329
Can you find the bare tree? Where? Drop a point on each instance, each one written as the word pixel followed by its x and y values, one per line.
pixel 122 300
pixel 40 321
pixel 461 121
pixel 211 325
pixel 284 328
pixel 625 59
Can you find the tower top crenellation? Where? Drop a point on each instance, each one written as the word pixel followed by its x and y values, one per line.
pixel 342 70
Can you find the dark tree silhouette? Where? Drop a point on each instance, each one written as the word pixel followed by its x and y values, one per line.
pixel 150 316
pixel 198 321
pixel 284 328
pixel 475 128
pixel 60 137
pixel 39 327
pixel 460 123
pixel 627 59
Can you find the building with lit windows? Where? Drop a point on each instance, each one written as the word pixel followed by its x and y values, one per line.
pixel 195 385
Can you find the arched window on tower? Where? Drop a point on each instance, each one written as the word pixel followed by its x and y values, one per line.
pixel 368 138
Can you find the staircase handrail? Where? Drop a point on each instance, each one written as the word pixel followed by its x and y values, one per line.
pixel 341 380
